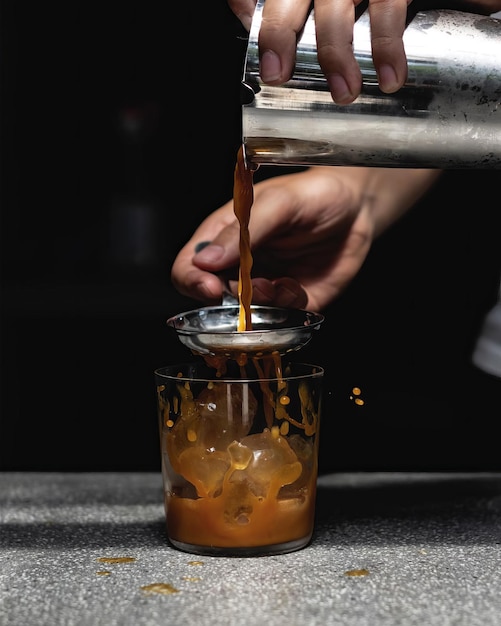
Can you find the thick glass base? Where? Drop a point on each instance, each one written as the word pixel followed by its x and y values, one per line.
pixel 270 550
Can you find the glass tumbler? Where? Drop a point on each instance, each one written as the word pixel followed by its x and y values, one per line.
pixel 239 456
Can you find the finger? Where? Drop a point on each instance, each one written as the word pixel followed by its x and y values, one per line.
pixel 282 20
pixel 283 292
pixel 195 283
pixel 244 10
pixel 387 19
pixel 263 291
pixel 221 252
pixel 334 21
pixel 200 282
pixel 289 293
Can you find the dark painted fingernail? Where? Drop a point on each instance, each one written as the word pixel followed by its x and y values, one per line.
pixel 201 246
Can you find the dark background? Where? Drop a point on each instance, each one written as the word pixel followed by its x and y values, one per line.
pixel 120 127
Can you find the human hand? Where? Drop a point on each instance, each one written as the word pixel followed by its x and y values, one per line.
pixel 310 233
pixel 283 20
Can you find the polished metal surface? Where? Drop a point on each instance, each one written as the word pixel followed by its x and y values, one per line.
pixel 447 115
pixel 213 330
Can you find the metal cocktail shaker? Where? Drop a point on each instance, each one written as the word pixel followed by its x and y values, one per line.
pixel 447 115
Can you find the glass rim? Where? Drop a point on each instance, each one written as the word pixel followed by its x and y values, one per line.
pixel 315 371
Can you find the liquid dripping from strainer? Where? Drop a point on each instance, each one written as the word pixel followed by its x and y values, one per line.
pixel 242 330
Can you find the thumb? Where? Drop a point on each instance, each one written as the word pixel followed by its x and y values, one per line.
pixel 221 253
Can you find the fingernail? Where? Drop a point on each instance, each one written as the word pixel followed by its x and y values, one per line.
pixel 285 296
pixel 246 21
pixel 339 89
pixel 263 292
pixel 209 253
pixel 201 245
pixel 206 294
pixel 270 66
pixel 387 78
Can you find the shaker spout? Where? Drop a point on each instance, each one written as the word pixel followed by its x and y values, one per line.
pixel 248 91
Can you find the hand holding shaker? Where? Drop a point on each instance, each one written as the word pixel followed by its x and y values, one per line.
pixel 446 116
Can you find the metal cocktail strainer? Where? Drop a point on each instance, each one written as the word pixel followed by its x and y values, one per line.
pixel 213 330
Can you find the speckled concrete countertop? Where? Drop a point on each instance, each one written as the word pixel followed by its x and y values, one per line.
pixel 389 549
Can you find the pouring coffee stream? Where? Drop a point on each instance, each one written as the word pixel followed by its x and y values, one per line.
pixel 238 329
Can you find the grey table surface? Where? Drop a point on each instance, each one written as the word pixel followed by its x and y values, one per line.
pixel 389 549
